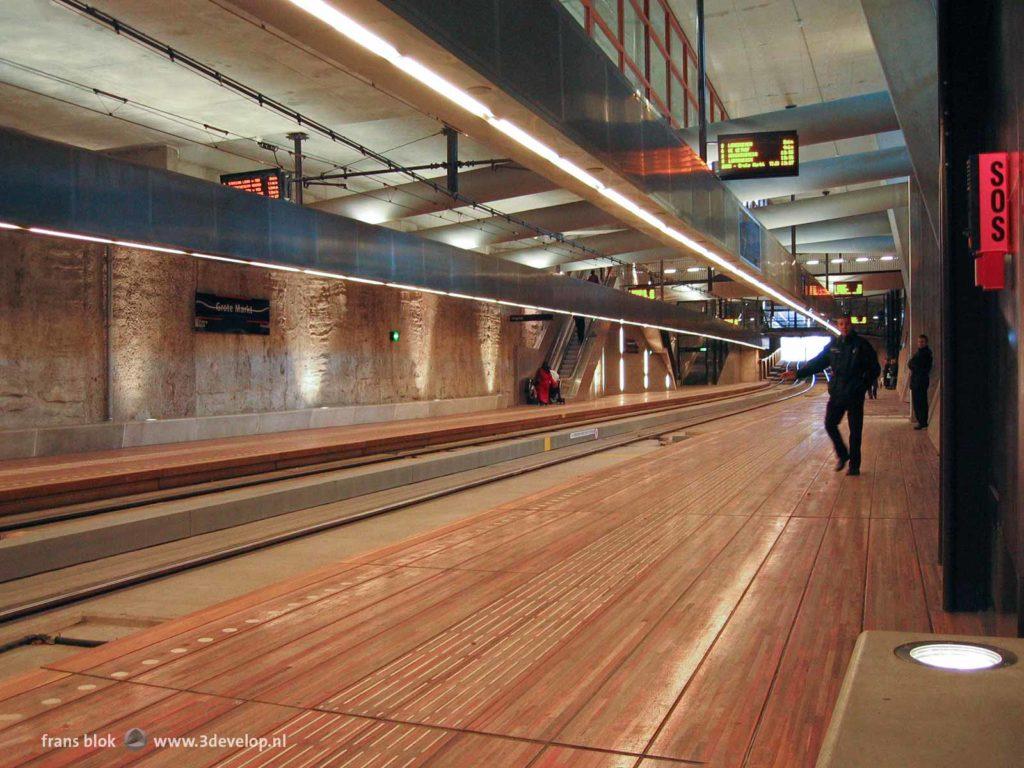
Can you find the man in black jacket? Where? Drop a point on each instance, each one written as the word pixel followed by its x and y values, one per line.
pixel 854 365
pixel 920 369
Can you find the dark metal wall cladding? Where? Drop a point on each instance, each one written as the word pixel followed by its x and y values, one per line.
pixel 536 52
pixel 55 186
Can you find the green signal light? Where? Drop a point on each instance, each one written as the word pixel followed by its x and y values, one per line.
pixel 703 349
pixel 394 335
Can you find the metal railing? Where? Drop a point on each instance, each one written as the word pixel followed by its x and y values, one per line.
pixel 646 40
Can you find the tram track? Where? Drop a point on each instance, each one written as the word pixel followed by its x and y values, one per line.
pixel 43 591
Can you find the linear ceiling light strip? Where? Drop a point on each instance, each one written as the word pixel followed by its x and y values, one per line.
pixel 410 66
pixel 336 276
pixel 382 48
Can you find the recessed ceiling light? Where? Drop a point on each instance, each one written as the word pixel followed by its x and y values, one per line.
pixel 960 657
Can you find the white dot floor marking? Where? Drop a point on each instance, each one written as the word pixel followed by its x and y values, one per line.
pixel 150 662
pixel 229 630
pixel 179 650
pixel 50 702
pixel 10 718
pixel 87 687
pixel 205 640
pixel 119 674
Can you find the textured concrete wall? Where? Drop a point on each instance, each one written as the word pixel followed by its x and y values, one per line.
pixel 328 343
pixel 52 343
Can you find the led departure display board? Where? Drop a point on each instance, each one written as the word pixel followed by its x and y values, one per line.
pixel 852 288
pixel 758 155
pixel 268 183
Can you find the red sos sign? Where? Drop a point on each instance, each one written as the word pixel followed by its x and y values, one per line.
pixel 995 233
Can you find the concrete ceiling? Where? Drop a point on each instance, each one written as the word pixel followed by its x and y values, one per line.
pixel 64 77
pixel 767 55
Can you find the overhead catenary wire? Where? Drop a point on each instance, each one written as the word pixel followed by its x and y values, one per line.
pixel 382 193
pixel 307 123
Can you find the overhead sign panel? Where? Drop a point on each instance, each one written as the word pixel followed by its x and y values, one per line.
pixel 851 288
pixel 758 155
pixel 267 183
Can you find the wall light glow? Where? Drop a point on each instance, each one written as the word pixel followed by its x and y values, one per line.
pixel 622 374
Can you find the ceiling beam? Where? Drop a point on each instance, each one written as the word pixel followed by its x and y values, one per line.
pixel 832 172
pixel 484 185
pixel 834 206
pixel 815 123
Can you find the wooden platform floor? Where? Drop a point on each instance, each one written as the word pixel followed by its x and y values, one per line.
pixel 696 606
pixel 83 476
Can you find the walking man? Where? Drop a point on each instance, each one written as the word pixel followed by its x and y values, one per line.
pixel 920 369
pixel 854 365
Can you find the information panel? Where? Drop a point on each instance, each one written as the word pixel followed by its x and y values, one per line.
pixel 758 155
pixel 851 288
pixel 267 183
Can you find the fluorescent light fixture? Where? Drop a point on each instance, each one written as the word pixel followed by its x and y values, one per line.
pixel 517 134
pixel 281 267
pixel 69 235
pixel 955 656
pixel 579 174
pixel 377 45
pixel 862 259
pixel 622 374
pixel 622 339
pixel 668 381
pixel 355 32
pixel 671 271
pixel 211 257
pixel 837 261
pixel 5 225
pixel 144 247
pixel 813 262
pixel 888 258
pixel 696 269
pixel 438 84
pixel 404 287
pixel 318 273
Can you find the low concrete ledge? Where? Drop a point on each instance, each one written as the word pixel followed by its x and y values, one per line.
pixel 894 712
pixel 64 544
pixel 51 441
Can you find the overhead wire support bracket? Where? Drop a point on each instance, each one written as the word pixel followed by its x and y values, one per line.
pixel 305 122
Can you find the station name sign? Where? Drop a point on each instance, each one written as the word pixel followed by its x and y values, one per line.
pixel 226 314
pixel 762 155
pixel 531 318
pixel 266 183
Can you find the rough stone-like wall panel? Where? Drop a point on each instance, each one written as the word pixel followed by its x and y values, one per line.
pixel 328 343
pixel 152 345
pixel 52 338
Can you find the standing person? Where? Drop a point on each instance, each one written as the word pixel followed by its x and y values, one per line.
pixel 593 277
pixel 854 365
pixel 920 369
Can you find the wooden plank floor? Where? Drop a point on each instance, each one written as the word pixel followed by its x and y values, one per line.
pixel 68 478
pixel 695 606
